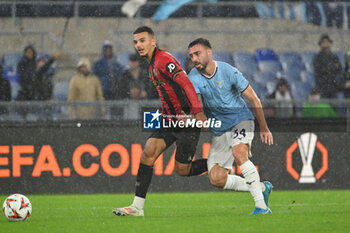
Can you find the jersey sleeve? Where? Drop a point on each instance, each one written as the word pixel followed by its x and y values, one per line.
pixel 172 68
pixel 182 80
pixel 169 65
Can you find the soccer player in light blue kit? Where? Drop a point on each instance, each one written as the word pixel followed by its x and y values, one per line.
pixel 220 87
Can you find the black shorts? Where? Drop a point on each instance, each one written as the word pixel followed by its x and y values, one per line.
pixel 186 141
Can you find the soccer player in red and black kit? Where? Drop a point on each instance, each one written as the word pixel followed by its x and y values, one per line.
pixel 179 99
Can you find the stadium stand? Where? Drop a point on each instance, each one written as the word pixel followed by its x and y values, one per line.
pixel 267 61
pixel 341 57
pixel 265 55
pixel 223 56
pixel 123 59
pixel 307 59
pixel 260 89
pixel 14 89
pixel 180 56
pixel 290 60
pixel 269 66
pixel 300 90
pixel 263 77
pixel 10 61
pixel 270 87
pixel 307 77
pixel 245 62
pixel 60 91
pixel 290 75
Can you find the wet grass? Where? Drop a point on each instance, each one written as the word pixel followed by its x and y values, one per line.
pixel 293 211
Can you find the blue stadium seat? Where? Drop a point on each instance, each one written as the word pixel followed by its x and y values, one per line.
pixel 265 55
pixel 60 91
pixel 269 66
pixel 308 77
pixel 260 89
pixel 307 59
pixel 223 56
pixel 270 87
pixel 11 60
pixel 264 77
pixel 14 90
pixel 290 60
pixel 123 59
pixel 180 56
pixel 341 57
pixel 245 63
pixel 291 75
pixel 300 90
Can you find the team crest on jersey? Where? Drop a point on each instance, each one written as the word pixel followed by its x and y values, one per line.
pixel 158 83
pixel 220 83
pixel 170 67
pixel 154 72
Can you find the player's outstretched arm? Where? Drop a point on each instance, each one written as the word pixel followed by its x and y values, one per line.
pixel 265 134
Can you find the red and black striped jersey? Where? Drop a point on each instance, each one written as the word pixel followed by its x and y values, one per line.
pixel 174 88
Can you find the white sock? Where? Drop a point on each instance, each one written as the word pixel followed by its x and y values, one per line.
pixel 238 183
pixel 252 179
pixel 139 202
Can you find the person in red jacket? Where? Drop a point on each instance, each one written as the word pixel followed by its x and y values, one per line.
pixel 179 100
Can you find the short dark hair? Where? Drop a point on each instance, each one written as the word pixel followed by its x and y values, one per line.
pixel 144 29
pixel 201 41
pixel 134 57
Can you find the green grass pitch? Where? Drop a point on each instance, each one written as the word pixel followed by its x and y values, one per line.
pixel 293 211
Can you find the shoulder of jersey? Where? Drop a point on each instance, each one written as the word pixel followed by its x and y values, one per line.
pixel 163 57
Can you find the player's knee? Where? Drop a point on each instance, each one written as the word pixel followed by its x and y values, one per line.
pixel 148 158
pixel 217 177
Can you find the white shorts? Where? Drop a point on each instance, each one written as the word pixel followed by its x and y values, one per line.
pixel 221 146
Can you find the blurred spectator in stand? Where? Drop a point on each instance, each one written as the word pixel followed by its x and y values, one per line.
pixel 131 78
pixel 317 109
pixel 5 91
pixel 189 65
pixel 43 81
pixel 26 74
pixel 84 87
pixel 334 14
pixel 284 108
pixel 136 92
pixel 345 78
pixel 108 70
pixel 327 67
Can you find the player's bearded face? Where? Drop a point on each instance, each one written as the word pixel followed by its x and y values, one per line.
pixel 199 56
pixel 144 44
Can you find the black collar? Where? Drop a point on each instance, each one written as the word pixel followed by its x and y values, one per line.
pixel 216 69
pixel 153 56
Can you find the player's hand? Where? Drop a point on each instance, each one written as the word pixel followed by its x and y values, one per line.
pixel 201 117
pixel 266 136
pixel 183 117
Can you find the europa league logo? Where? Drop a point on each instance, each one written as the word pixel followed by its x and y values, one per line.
pixel 307 144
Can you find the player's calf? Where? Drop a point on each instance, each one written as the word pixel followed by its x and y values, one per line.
pixel 194 168
pixel 182 169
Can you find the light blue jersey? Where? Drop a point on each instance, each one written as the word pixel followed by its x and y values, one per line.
pixel 222 96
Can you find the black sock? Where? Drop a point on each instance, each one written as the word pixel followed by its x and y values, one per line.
pixel 198 167
pixel 143 180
